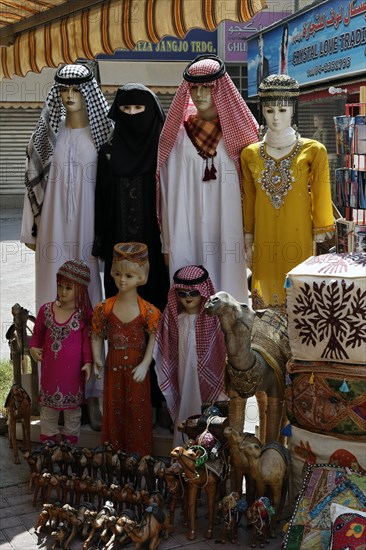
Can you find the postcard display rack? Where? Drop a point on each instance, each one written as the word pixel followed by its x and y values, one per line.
pixel 351 178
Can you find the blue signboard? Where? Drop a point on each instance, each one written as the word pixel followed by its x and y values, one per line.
pixel 323 43
pixel 197 42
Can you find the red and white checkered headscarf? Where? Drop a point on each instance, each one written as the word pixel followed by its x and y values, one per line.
pixel 210 344
pixel 239 126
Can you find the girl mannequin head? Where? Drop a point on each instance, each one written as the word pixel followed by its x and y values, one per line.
pixel 277 91
pixel 130 267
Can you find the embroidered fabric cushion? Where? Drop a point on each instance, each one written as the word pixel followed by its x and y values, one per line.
pixel 324 484
pixel 348 528
pixel 326 307
pixel 307 447
pixel 327 397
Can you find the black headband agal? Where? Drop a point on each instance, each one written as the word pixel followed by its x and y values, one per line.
pixel 196 281
pixel 70 80
pixel 201 78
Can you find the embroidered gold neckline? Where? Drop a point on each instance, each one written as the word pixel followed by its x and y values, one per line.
pixel 276 178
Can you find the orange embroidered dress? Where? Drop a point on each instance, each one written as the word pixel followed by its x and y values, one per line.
pixel 127 415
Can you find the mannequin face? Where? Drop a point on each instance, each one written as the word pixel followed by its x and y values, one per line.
pixel 190 300
pixel 66 294
pixel 203 101
pixel 132 109
pixel 126 275
pixel 72 99
pixel 278 118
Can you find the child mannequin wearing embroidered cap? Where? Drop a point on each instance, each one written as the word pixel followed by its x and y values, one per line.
pixel 61 343
pixel 287 200
pixel 190 350
pixel 129 323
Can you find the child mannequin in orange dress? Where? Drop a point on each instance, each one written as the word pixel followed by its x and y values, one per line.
pixel 129 323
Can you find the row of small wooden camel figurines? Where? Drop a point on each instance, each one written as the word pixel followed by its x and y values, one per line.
pixel 65 522
pixel 263 468
pixel 103 462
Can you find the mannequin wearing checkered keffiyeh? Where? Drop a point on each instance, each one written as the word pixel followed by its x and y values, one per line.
pixel 199 195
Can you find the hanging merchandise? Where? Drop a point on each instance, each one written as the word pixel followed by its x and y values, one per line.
pixel 350 179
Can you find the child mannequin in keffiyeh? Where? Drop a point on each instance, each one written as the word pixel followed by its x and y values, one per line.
pixel 189 349
pixel 199 196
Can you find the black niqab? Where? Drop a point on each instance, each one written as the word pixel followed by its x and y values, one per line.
pixel 135 138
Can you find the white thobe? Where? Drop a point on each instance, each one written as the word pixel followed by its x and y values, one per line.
pixel 66 226
pixel 202 221
pixel 189 386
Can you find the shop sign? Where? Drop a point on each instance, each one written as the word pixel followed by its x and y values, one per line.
pixel 321 44
pixel 236 34
pixel 197 42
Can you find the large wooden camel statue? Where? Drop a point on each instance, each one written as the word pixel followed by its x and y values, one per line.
pixel 257 352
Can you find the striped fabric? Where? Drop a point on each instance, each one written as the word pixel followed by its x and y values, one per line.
pixel 106 26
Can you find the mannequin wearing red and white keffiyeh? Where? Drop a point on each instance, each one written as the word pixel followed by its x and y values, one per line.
pixel 189 348
pixel 198 177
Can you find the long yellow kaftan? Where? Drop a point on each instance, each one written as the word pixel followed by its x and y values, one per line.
pixel 283 210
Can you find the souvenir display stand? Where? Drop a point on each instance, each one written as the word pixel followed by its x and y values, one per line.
pixel 325 393
pixel 351 178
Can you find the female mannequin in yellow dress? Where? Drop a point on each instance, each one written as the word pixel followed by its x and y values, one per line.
pixel 287 198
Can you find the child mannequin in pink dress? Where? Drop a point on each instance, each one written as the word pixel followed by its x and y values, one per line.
pixel 129 323
pixel 61 343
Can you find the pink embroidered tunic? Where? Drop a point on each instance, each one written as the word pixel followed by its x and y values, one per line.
pixel 66 349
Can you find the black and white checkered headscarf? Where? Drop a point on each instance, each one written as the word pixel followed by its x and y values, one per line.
pixel 42 143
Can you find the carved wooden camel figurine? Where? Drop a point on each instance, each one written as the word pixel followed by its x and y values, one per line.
pixel 200 478
pixel 18 336
pixel 18 406
pixel 239 462
pixel 251 372
pixel 270 467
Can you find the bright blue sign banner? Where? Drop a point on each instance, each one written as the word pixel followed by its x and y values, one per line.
pixel 323 43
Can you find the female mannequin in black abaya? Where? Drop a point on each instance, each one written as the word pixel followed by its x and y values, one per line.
pixel 125 204
pixel 125 197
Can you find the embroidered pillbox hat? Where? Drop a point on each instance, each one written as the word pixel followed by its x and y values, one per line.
pixel 76 271
pixel 278 89
pixel 131 252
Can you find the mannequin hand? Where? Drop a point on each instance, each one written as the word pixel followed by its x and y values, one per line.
pixel 140 372
pixel 248 241
pixel 87 369
pixel 36 353
pixel 32 246
pixel 321 237
pixel 97 367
